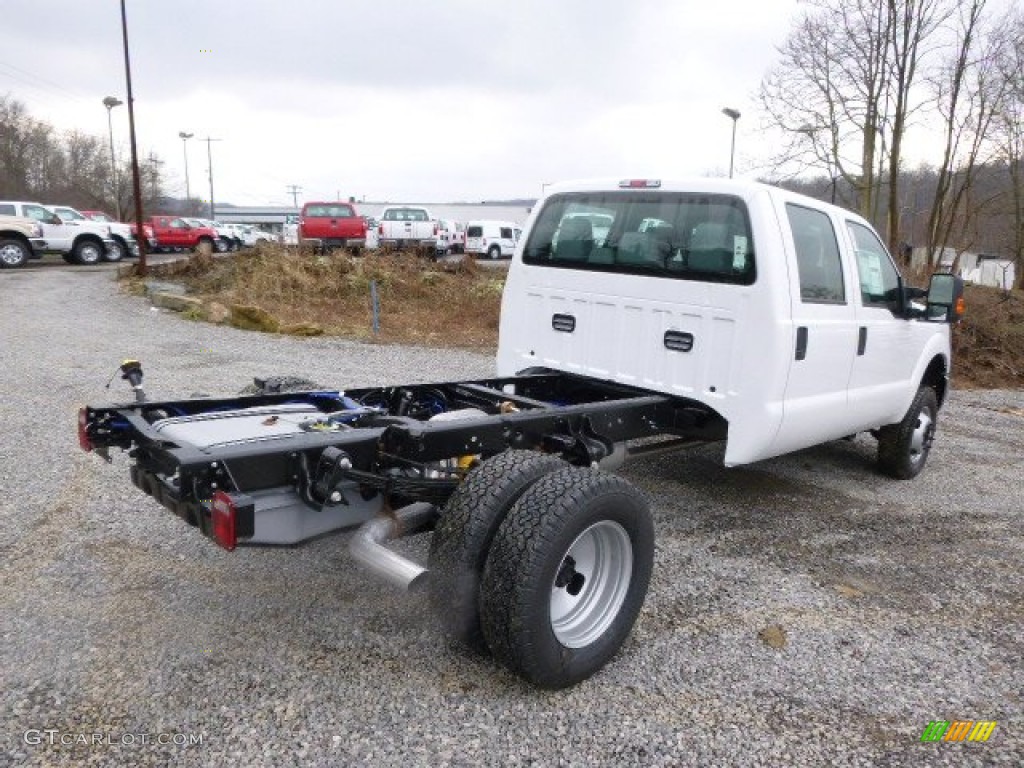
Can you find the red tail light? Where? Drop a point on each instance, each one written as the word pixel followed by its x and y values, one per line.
pixel 380 229
pixel 224 520
pixel 83 435
pixel 435 230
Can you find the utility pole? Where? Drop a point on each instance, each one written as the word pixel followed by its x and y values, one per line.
pixel 136 186
pixel 209 160
pixel 293 190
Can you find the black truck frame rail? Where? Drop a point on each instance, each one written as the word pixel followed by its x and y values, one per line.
pixel 389 440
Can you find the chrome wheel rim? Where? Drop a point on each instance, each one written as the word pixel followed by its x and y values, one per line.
pixel 922 436
pixel 89 253
pixel 591 584
pixel 11 255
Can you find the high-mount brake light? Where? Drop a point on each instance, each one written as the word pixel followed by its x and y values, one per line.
pixel 83 435
pixel 640 183
pixel 223 510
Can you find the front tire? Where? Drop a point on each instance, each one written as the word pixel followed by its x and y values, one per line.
pixel 566 576
pixel 903 448
pixel 13 253
pixel 117 252
pixel 465 529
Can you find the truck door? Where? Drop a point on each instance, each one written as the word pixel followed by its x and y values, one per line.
pixel 824 334
pixel 887 345
pixel 58 236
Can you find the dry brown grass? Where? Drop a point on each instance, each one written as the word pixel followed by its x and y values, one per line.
pixel 421 302
pixel 988 344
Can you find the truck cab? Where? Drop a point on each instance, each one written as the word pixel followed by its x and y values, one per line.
pixel 785 315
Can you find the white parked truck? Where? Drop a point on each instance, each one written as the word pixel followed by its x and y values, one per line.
pixel 77 241
pixel 407 226
pixel 706 310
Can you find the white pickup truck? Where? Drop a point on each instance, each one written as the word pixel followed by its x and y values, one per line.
pixel 703 310
pixel 407 226
pixel 124 244
pixel 77 241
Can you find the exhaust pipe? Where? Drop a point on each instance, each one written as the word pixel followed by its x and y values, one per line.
pixel 367 545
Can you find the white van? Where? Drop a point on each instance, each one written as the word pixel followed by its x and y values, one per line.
pixel 492 238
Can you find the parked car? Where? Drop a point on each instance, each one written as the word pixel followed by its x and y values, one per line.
pixel 407 226
pixel 78 242
pixel 175 233
pixel 120 233
pixel 332 225
pixel 106 218
pixel 21 239
pixel 224 238
pixel 493 239
pixel 448 238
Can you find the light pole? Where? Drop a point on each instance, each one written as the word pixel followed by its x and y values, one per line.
pixel 110 102
pixel 734 115
pixel 184 146
pixel 209 160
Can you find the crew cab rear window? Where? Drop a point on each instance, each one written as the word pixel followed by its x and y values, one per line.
pixel 329 212
pixel 817 256
pixel 405 214
pixel 666 234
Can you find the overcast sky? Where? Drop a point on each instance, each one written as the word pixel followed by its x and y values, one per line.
pixel 447 100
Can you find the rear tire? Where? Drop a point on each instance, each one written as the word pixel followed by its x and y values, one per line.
pixel 88 252
pixel 903 448
pixel 465 529
pixel 566 576
pixel 494 253
pixel 13 253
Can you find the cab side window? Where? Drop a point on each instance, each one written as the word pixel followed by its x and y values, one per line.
pixel 38 213
pixel 879 280
pixel 817 256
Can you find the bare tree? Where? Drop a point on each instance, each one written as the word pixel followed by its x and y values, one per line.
pixel 846 89
pixel 36 163
pixel 911 24
pixel 970 92
pixel 1009 136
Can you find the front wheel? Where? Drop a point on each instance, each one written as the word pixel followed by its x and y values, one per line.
pixel 116 252
pixel 13 253
pixel 566 576
pixel 903 448
pixel 88 252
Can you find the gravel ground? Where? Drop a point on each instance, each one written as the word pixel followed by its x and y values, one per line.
pixel 803 611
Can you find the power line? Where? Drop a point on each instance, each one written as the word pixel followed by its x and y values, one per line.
pixel 293 190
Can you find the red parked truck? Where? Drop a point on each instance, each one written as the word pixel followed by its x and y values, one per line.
pixel 173 232
pixel 331 225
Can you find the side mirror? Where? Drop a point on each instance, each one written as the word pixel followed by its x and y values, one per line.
pixel 946 298
pixel 55 219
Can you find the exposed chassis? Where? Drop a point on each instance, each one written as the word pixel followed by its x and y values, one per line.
pixel 395 444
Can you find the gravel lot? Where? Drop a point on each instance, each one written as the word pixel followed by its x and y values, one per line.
pixel 893 603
